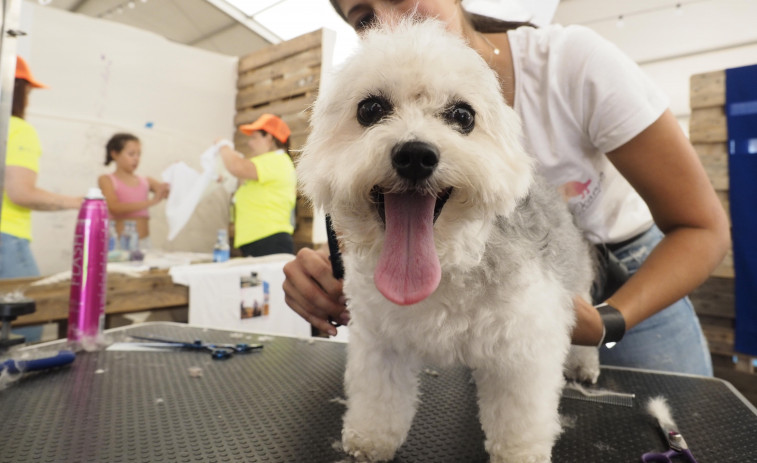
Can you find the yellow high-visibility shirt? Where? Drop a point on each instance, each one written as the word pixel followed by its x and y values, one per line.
pixel 23 150
pixel 264 206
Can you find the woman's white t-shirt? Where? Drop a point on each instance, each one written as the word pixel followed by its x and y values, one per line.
pixel 580 97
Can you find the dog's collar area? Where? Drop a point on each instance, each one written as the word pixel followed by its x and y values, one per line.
pixel 377 196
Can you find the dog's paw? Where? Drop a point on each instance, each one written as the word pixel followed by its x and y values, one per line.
pixel 522 459
pixel 369 449
pixel 582 364
pixel 508 454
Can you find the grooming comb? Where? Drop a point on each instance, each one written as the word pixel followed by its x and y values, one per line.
pixel 603 396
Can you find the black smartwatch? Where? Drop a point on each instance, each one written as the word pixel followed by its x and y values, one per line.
pixel 613 324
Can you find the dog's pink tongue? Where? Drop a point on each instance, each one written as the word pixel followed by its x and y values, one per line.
pixel 408 270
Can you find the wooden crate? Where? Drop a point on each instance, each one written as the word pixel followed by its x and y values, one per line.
pixel 151 291
pixel 283 80
pixel 708 132
pixel 714 300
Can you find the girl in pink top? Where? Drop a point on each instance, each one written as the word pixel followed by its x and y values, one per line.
pixel 128 194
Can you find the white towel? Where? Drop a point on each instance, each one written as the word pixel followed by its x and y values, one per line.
pixel 187 188
pixel 215 296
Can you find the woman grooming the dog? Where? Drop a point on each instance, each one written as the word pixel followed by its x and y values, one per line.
pixel 604 137
pixel 268 189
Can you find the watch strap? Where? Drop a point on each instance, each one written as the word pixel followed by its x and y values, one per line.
pixel 614 325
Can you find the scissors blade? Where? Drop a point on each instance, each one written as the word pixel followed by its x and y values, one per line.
pixel 675 439
pixel 159 345
pixel 166 341
pixel 197 345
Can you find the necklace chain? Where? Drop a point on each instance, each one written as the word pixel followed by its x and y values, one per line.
pixel 495 50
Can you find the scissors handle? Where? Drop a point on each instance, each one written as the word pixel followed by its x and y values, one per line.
pixel 666 457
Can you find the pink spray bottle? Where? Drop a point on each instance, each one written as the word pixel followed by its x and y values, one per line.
pixel 86 310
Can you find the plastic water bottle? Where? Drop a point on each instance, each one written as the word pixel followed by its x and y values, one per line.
pixel 221 251
pixel 130 241
pixel 135 253
pixel 112 236
pixel 86 310
pixel 126 234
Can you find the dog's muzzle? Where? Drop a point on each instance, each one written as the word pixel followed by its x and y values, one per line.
pixel 415 160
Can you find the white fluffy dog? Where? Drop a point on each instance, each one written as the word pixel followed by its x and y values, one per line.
pixel 454 251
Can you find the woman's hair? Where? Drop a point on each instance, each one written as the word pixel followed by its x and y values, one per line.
pixel 279 144
pixel 116 144
pixel 19 98
pixel 479 22
pixel 488 25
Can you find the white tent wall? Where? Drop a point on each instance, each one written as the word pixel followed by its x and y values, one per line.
pixel 672 40
pixel 106 78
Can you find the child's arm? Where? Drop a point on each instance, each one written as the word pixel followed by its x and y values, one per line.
pixel 159 189
pixel 117 207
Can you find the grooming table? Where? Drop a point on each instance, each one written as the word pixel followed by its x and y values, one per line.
pixel 281 405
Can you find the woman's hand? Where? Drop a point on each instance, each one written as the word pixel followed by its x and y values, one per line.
pixel 588 329
pixel 312 291
pixel 221 143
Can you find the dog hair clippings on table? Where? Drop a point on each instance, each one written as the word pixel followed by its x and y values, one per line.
pixel 677 448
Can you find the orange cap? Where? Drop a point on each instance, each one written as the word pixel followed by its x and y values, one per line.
pixel 271 124
pixel 23 72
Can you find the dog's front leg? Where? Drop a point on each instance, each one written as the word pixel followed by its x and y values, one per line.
pixel 381 386
pixel 582 364
pixel 518 408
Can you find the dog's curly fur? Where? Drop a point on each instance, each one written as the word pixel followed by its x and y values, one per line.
pixel 509 256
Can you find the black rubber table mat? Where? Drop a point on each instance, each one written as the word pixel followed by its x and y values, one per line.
pixel 283 405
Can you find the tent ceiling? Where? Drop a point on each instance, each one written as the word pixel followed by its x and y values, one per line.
pixel 671 28
pixel 209 24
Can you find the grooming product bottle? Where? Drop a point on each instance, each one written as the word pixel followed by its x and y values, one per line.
pixel 86 310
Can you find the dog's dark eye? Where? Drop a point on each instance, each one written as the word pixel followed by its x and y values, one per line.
pixel 365 22
pixel 371 110
pixel 461 115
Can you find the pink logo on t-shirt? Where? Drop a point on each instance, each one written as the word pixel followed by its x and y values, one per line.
pixel 572 189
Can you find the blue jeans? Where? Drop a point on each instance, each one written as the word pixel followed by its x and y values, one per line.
pixel 17 261
pixel 672 339
pixel 16 258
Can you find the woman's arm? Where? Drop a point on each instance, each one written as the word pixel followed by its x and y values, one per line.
pixel 663 167
pixel 237 165
pixel 117 207
pixel 21 187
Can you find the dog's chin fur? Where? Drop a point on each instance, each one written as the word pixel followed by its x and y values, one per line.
pixel 511 258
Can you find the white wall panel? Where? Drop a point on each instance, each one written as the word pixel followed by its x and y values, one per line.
pixel 672 44
pixel 104 78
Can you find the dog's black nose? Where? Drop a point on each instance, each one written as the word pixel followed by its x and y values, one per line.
pixel 415 160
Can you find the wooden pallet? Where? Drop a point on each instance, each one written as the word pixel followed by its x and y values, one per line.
pixel 283 79
pixel 714 300
pixel 151 291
